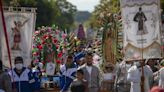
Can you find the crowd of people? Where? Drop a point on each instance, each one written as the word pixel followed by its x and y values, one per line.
pixel 79 74
pixel 134 76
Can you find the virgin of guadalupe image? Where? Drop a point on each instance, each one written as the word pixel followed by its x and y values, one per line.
pixel 141 19
pixel 81 33
pixel 17 34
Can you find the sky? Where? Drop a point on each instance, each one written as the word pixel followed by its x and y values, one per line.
pixel 85 5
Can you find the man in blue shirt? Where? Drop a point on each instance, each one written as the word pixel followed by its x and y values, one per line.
pixel 21 77
pixel 68 72
pixel 37 77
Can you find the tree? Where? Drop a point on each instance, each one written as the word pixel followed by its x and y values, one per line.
pixel 104 9
pixel 162 4
pixel 82 16
pixel 67 12
pixel 49 12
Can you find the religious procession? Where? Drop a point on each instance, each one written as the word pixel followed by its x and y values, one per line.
pixel 82 46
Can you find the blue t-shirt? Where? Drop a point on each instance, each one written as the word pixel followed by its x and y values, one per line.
pixel 36 75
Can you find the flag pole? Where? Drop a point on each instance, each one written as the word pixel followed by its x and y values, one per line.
pixel 142 67
pixel 7 42
pixel 5 32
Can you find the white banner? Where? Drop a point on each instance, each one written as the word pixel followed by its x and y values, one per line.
pixel 20 27
pixel 141 28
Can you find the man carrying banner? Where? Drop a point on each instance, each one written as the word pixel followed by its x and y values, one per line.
pixel 121 82
pixel 134 76
pixel 141 16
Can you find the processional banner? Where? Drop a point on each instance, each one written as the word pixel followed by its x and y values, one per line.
pixel 141 29
pixel 20 26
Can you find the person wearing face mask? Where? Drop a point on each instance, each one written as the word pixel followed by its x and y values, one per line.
pixel 91 74
pixel 5 81
pixel 22 77
pixel 121 82
pixel 135 76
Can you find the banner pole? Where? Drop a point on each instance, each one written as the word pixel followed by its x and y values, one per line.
pixel 142 67
pixel 5 32
pixel 7 42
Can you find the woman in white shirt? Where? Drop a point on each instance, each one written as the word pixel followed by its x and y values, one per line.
pixel 107 84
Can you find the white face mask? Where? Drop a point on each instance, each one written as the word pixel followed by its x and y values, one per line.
pixel 128 66
pixel 137 64
pixel 19 66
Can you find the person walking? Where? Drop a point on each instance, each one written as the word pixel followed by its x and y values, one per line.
pixel 5 81
pixel 22 77
pixel 67 72
pixel 152 65
pixel 135 76
pixel 121 82
pixel 161 75
pixel 91 74
pixel 37 77
pixel 79 84
pixel 107 84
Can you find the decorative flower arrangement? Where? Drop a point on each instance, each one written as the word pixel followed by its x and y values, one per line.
pixel 49 45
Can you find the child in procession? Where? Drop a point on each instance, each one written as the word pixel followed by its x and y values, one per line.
pixel 79 84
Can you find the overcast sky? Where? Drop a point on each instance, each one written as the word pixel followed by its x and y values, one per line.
pixel 84 5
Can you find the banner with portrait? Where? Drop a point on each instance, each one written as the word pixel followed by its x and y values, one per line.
pixel 141 29
pixel 20 27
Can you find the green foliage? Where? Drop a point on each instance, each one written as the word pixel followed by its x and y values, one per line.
pixel 49 12
pixel 49 44
pixel 66 14
pixel 162 5
pixel 82 16
pixel 104 9
pixel 27 3
pixel 109 6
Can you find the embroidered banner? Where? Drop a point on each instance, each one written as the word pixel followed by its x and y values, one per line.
pixel 141 28
pixel 20 27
